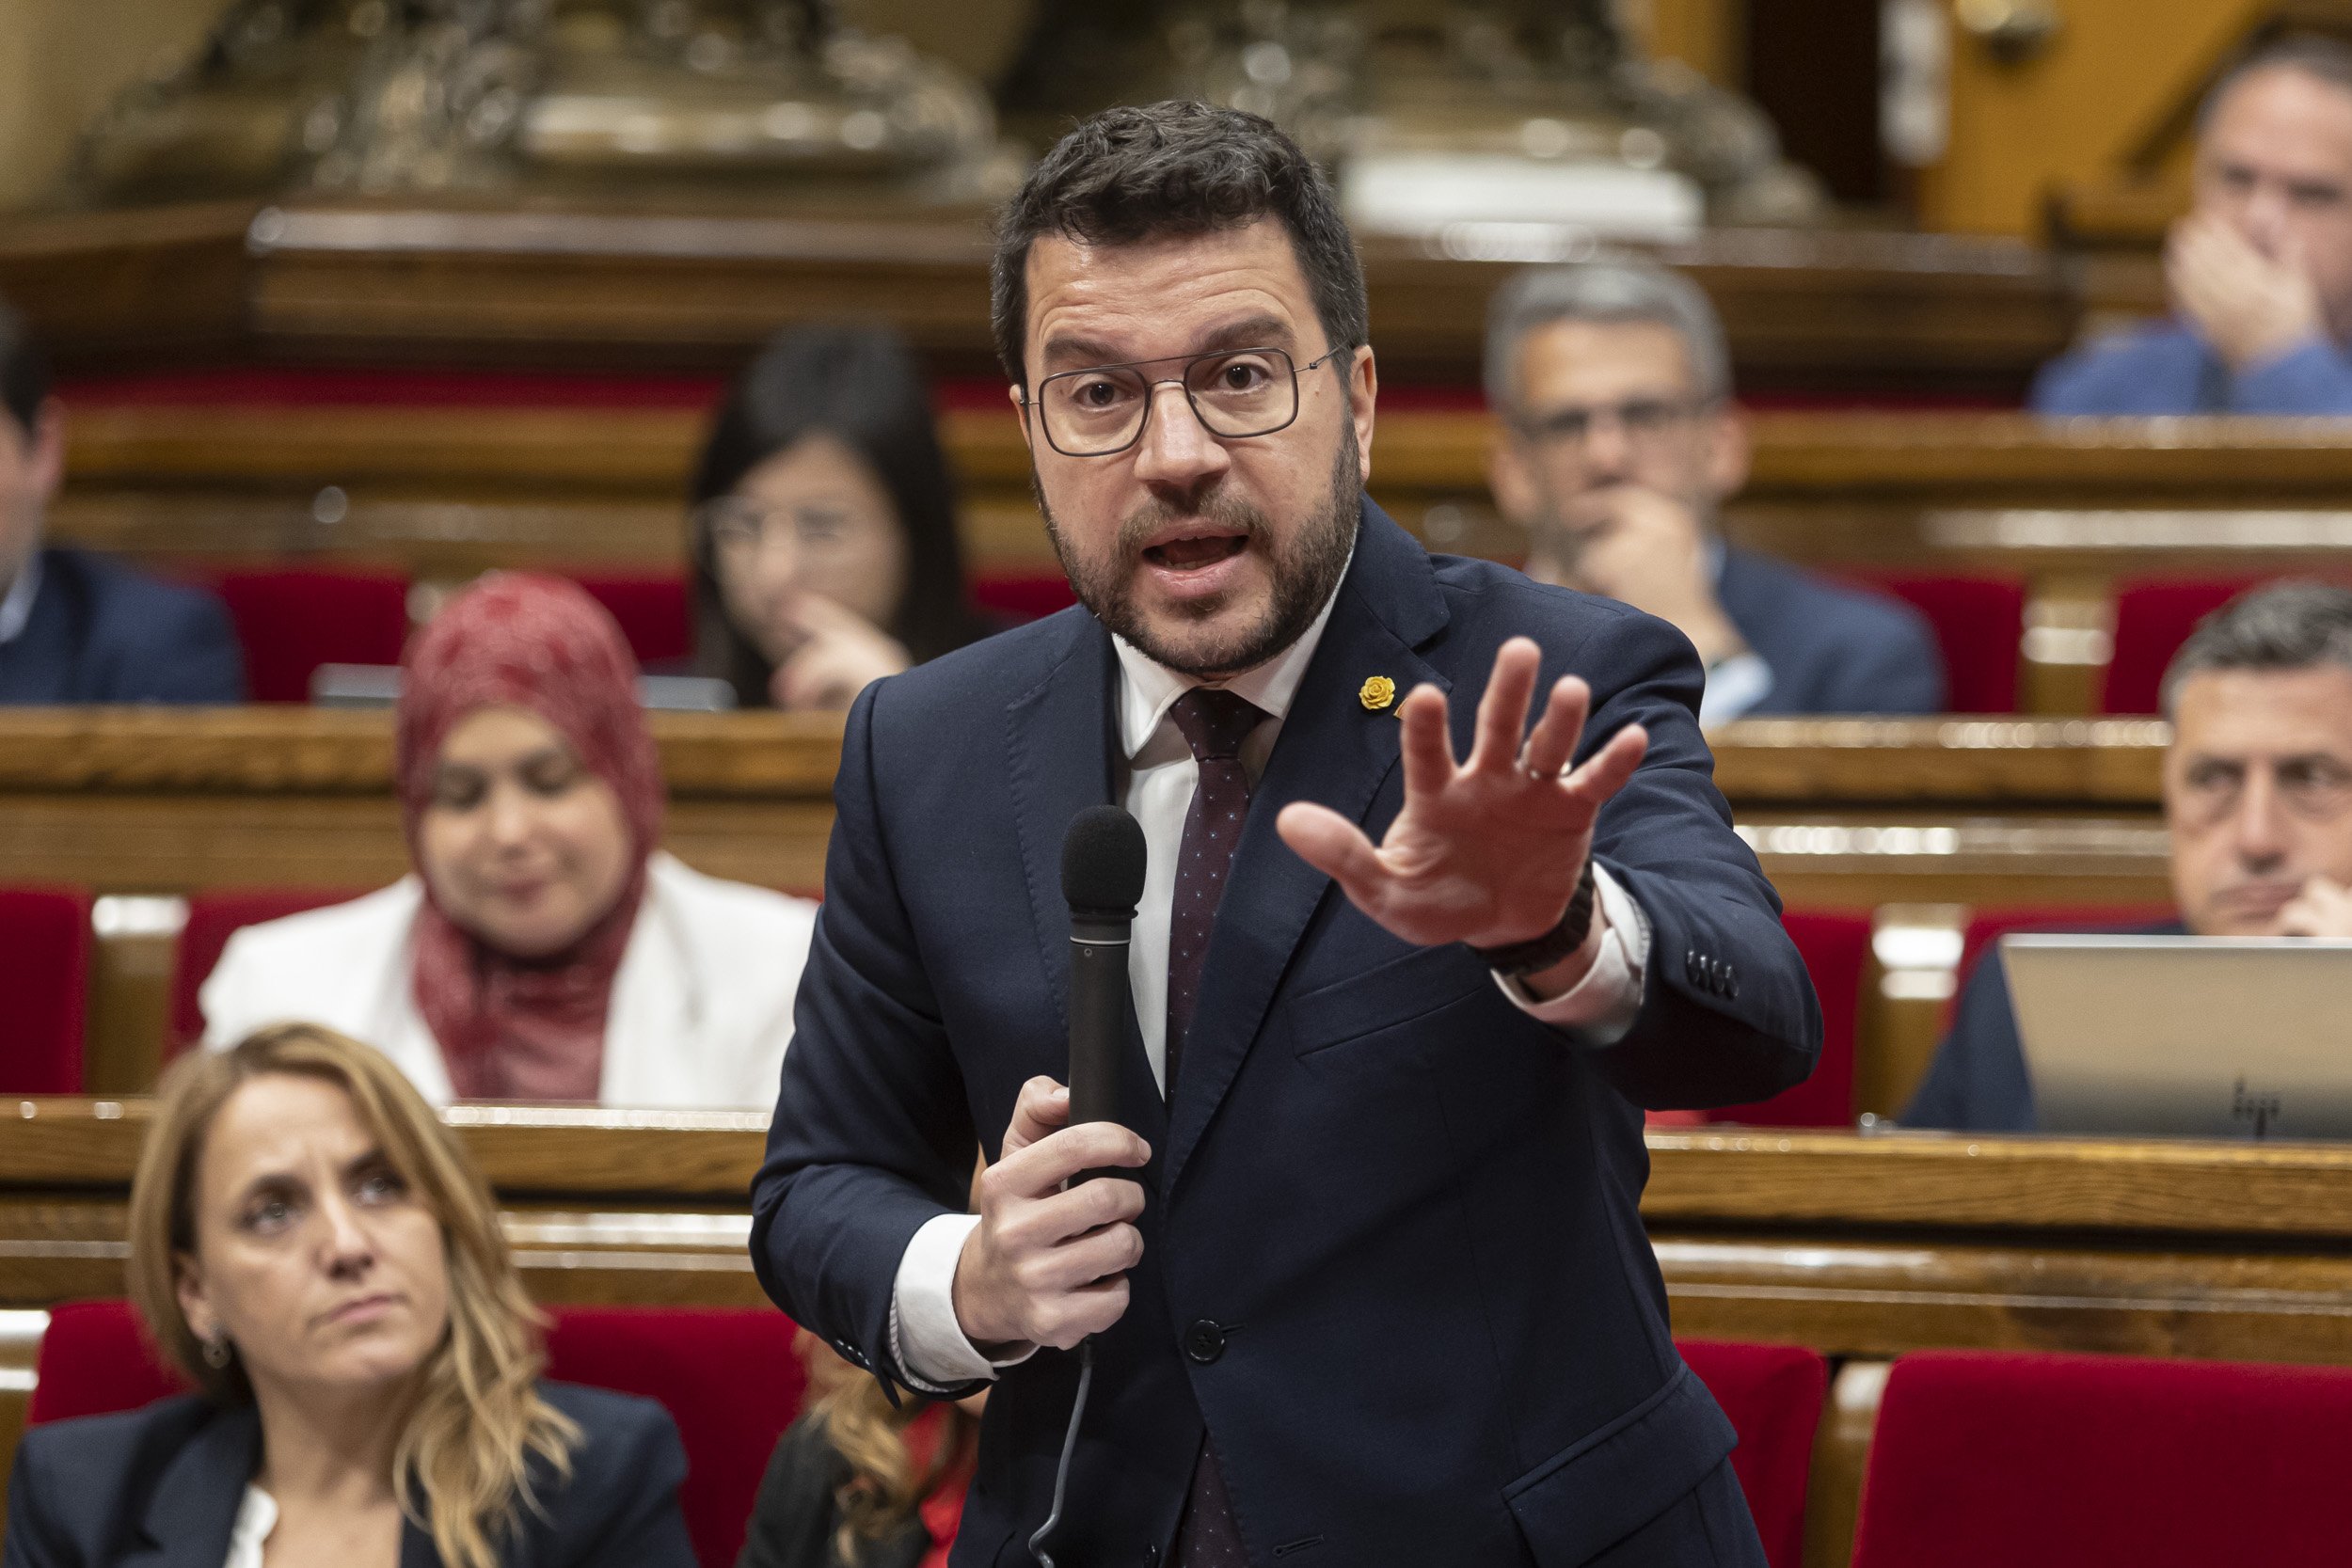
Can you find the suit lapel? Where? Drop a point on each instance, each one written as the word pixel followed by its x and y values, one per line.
pixel 195 1503
pixel 1334 752
pixel 1063 754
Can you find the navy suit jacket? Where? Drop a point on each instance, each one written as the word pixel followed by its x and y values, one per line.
pixel 1392 1253
pixel 1832 649
pixel 1978 1082
pixel 100 632
pixel 159 1488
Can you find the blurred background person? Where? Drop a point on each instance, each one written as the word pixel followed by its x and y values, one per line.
pixel 1618 442
pixel 546 949
pixel 2259 273
pixel 825 552
pixel 859 1482
pixel 76 628
pixel 312 1248
pixel 2258 796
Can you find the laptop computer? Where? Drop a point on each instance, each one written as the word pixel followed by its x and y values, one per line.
pixel 2208 1036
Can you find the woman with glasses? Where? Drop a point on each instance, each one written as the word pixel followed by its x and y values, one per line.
pixel 548 949
pixel 824 526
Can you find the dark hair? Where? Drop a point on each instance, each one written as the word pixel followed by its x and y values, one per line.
pixel 859 384
pixel 2282 626
pixel 24 371
pixel 1132 174
pixel 2315 54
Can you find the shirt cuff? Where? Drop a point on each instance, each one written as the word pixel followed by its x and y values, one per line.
pixel 926 1341
pixel 1602 1006
pixel 1733 686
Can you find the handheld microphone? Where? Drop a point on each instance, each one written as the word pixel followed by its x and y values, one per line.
pixel 1101 876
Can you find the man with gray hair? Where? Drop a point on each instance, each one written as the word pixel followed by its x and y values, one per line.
pixel 2259 273
pixel 2258 796
pixel 1617 442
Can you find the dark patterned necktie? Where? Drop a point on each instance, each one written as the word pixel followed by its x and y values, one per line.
pixel 1214 724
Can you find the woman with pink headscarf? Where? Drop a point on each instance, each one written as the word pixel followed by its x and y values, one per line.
pixel 546 949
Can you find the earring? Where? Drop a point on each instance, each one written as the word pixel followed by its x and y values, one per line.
pixel 217 1353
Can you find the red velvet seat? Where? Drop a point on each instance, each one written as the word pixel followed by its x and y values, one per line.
pixel 1836 951
pixel 290 621
pixel 44 979
pixel 652 610
pixel 1773 1395
pixel 213 917
pixel 2043 1461
pixel 1024 595
pixel 1979 626
pixel 2153 617
pixel 728 1376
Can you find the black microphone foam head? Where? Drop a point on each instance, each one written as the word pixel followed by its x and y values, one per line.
pixel 1102 863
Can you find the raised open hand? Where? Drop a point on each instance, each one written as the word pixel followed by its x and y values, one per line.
pixel 1486 852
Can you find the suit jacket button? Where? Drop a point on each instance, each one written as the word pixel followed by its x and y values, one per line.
pixel 1205 1341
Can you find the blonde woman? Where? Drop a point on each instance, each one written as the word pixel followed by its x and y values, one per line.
pixel 311 1246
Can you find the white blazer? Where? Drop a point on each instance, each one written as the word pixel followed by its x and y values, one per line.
pixel 702 1004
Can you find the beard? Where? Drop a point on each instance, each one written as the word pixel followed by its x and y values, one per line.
pixel 1305 571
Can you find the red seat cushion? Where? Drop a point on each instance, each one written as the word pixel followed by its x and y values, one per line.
pixel 44 987
pixel 1773 1394
pixel 2038 1461
pixel 1979 626
pixel 1023 596
pixel 289 622
pixel 728 1376
pixel 651 608
pixel 2153 617
pixel 213 917
pixel 1836 949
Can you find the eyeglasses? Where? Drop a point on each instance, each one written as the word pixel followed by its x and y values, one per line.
pixel 742 527
pixel 1234 393
pixel 1642 420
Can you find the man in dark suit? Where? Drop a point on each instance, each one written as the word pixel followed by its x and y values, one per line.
pixel 1619 441
pixel 75 627
pixel 2258 796
pixel 1381 1294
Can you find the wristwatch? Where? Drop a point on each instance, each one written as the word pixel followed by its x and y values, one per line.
pixel 1538 954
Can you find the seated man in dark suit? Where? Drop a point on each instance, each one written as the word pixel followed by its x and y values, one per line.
pixel 75 627
pixel 2259 273
pixel 1619 441
pixel 2258 795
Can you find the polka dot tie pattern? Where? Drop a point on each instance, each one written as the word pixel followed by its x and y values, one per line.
pixel 1214 724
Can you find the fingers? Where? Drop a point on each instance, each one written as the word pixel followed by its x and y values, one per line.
pixel 1606 772
pixel 1426 750
pixel 1332 845
pixel 1554 742
pixel 1042 1106
pixel 1502 711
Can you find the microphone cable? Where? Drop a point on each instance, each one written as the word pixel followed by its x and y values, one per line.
pixel 1069 1447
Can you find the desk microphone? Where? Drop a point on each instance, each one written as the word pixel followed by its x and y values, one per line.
pixel 1102 876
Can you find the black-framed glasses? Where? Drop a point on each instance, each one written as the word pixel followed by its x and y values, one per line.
pixel 1234 393
pixel 1639 419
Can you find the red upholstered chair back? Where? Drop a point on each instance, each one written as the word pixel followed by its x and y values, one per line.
pixel 728 1377
pixel 1979 626
pixel 652 610
pixel 213 917
pixel 1023 596
pixel 44 979
pixel 2153 617
pixel 1773 1394
pixel 289 622
pixel 1836 951
pixel 2037 1461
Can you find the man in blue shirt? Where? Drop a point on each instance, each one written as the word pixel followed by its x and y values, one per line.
pixel 76 628
pixel 1611 385
pixel 2259 272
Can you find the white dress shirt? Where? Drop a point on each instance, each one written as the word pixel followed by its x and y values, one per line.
pixel 1739 682
pixel 927 1341
pixel 257 1515
pixel 16 605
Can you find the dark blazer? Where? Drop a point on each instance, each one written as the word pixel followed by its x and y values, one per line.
pixel 1832 649
pixel 100 632
pixel 1978 1082
pixel 159 1488
pixel 795 1521
pixel 1392 1256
